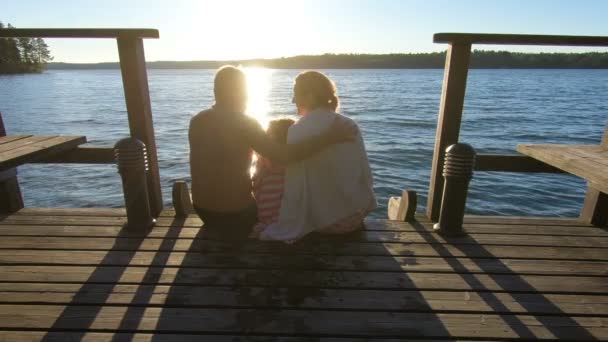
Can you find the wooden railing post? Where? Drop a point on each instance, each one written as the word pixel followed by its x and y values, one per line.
pixel 595 207
pixel 448 122
pixel 10 192
pixel 137 97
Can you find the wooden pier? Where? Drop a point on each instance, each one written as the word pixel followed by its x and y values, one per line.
pixel 79 274
pixel 75 273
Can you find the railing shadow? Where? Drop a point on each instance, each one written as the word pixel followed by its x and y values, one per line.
pixel 141 299
pixel 103 276
pixel 515 281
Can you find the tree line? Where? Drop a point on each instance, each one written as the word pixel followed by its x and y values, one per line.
pixel 434 60
pixel 23 55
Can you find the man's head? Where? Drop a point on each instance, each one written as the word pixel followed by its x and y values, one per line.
pixel 230 88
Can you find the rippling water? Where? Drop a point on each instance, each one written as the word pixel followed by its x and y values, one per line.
pixel 396 110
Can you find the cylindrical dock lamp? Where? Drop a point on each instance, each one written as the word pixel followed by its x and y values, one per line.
pixel 457 172
pixel 132 162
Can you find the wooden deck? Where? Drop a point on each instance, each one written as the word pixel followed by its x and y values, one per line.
pixel 72 274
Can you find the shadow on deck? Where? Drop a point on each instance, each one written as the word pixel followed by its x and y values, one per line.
pixel 74 274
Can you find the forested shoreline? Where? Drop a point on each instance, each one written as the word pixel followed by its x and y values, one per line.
pixel 435 60
pixel 23 55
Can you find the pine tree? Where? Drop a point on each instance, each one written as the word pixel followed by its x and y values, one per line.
pixel 27 50
pixel 12 50
pixel 43 55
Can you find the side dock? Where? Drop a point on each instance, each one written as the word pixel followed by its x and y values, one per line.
pixel 83 274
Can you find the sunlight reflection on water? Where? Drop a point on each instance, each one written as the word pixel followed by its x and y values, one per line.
pixel 259 86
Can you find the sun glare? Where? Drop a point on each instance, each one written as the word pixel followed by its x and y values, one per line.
pixel 258 86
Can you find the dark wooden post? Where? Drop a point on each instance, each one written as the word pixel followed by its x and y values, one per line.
pixel 10 193
pixel 448 122
pixel 137 97
pixel 595 207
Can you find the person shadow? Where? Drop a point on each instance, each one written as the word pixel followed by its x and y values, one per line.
pixel 230 285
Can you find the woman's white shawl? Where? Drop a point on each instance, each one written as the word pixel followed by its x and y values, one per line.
pixel 325 188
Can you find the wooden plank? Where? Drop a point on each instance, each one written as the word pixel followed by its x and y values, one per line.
pixel 302 262
pixel 61 336
pixel 192 230
pixel 524 220
pixel 168 214
pixel 301 322
pixel 172 276
pixel 511 163
pixel 36 150
pixel 595 207
pixel 115 218
pixel 18 143
pixel 519 39
pixel 81 155
pixel 100 212
pixel 10 192
pixel 11 138
pixel 448 122
pixel 403 237
pixel 327 299
pixel 559 156
pixel 320 248
pixel 79 32
pixel 137 97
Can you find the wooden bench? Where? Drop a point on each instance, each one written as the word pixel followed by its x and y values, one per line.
pixel 17 150
pixel 589 162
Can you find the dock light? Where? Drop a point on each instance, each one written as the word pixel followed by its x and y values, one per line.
pixel 457 173
pixel 132 162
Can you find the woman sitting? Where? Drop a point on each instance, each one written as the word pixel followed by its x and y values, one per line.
pixel 330 192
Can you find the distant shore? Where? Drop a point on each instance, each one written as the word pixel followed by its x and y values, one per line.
pixel 435 60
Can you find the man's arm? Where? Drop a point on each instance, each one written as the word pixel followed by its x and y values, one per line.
pixel 289 153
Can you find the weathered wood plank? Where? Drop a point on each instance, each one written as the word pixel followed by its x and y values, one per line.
pixel 511 163
pixel 113 230
pixel 170 213
pixel 23 142
pixel 585 161
pixel 304 278
pixel 408 237
pixel 595 207
pixel 93 222
pixel 326 299
pixel 313 248
pixel 295 262
pixel 79 32
pixel 137 98
pixel 62 336
pixel 519 39
pixel 81 155
pixel 17 156
pixel 10 138
pixel 301 322
pixel 448 123
pixel 10 192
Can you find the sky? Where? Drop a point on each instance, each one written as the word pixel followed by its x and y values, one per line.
pixel 230 29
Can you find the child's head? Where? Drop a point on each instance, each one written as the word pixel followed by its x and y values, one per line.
pixel 277 129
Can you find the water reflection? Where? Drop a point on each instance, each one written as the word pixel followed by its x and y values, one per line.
pixel 259 85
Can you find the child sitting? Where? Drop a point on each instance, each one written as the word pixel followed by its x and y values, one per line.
pixel 269 180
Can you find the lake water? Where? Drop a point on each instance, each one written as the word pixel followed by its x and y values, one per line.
pixel 396 110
